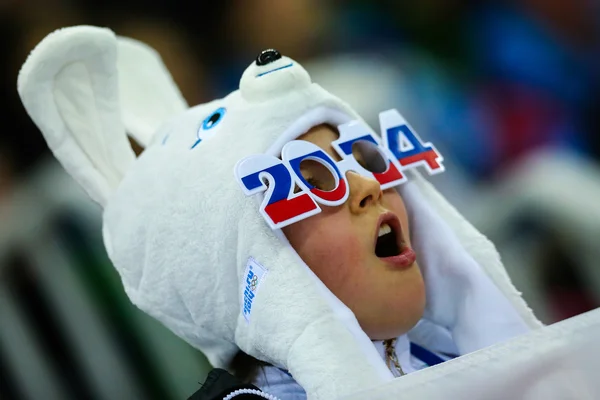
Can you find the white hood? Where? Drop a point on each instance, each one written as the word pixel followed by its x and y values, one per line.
pixel 183 235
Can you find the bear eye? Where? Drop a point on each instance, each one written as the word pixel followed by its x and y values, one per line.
pixel 213 120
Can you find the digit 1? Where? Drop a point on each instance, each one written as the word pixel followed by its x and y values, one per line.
pixel 355 131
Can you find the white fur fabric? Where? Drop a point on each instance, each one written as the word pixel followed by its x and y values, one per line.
pixel 180 231
pixel 69 87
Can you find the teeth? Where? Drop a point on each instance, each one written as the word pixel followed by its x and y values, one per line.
pixel 384 229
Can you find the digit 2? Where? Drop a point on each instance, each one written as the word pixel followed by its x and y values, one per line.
pixel 281 206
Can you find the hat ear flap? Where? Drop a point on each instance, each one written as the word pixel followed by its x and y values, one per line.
pixel 149 96
pixel 69 87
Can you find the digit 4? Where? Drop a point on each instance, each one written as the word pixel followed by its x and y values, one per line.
pixel 406 145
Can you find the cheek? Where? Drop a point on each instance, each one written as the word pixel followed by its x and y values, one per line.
pixel 329 246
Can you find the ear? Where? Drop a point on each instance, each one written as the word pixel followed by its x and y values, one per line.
pixel 69 86
pixel 149 96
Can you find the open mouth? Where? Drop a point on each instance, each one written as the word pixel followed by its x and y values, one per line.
pixel 389 237
pixel 390 245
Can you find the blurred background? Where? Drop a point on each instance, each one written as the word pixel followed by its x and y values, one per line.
pixel 508 91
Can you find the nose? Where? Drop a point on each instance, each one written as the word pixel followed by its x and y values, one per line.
pixel 272 75
pixel 364 192
pixel 267 57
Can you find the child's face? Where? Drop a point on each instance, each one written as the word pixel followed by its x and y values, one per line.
pixel 386 294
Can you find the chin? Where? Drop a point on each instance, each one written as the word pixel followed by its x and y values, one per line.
pixel 392 329
pixel 387 327
pixel 391 324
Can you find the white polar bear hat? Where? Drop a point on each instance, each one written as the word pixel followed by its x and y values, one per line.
pixel 185 238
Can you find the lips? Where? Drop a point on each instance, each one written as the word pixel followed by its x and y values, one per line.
pixel 390 245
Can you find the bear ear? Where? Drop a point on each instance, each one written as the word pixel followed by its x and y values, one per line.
pixel 149 96
pixel 69 87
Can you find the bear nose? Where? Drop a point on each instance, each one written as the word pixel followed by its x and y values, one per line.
pixel 272 75
pixel 267 57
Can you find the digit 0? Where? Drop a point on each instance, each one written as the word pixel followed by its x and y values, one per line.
pixel 296 151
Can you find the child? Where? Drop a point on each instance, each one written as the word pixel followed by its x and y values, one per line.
pixel 351 271
pixel 379 280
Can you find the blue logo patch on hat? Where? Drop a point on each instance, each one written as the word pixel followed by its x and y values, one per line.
pixel 252 277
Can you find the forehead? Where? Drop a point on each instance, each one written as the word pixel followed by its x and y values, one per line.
pixel 322 135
